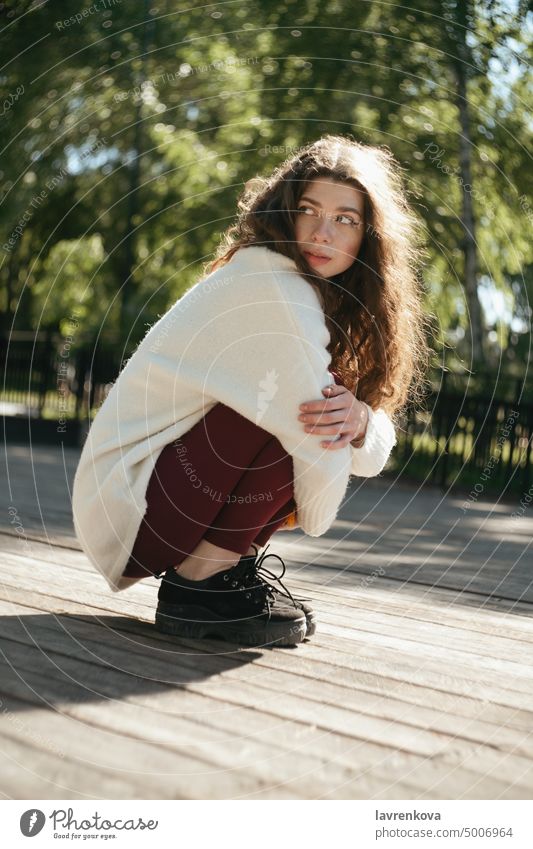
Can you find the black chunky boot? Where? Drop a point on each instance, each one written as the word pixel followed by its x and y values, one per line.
pixel 229 606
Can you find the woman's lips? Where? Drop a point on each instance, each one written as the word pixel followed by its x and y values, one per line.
pixel 316 260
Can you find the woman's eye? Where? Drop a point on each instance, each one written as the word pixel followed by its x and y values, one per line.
pixel 345 219
pixel 306 209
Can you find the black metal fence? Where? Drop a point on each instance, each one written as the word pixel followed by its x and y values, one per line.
pixel 51 384
pixel 469 434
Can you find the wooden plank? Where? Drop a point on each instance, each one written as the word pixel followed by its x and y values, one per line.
pixel 101 747
pixel 406 605
pixel 219 744
pixel 348 578
pixel 330 652
pixel 334 612
pixel 464 655
pixel 194 710
pixel 409 690
pixel 428 609
pixel 295 703
pixel 29 772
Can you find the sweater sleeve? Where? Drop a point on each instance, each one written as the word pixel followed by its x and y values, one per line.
pixel 262 344
pixel 371 457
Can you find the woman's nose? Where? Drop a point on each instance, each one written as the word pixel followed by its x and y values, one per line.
pixel 323 228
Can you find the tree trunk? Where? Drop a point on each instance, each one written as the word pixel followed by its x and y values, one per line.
pixel 128 305
pixel 465 165
pixel 11 277
pixel 127 302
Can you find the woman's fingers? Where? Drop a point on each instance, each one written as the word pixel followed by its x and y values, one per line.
pixel 329 417
pixel 325 418
pixel 330 429
pixel 332 445
pixel 337 397
pixel 329 411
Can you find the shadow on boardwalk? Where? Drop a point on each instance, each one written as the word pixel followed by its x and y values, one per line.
pixel 418 683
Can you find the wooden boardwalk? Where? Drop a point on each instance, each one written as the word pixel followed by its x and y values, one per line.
pixel 417 685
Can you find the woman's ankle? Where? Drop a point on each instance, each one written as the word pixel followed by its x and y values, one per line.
pixel 193 570
pixel 206 560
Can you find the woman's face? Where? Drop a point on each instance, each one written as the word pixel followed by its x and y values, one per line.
pixel 329 225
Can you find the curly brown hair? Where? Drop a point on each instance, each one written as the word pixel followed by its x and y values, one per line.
pixel 373 310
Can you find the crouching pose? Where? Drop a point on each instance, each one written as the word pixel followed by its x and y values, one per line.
pixel 251 401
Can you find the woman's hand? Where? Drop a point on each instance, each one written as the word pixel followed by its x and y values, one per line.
pixel 340 414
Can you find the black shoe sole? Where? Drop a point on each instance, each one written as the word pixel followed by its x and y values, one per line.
pixel 171 620
pixel 310 624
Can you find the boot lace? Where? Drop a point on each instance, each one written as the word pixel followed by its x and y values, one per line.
pixel 257 576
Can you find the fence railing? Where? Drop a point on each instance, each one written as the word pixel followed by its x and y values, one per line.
pixel 470 438
pixel 33 365
pixel 465 435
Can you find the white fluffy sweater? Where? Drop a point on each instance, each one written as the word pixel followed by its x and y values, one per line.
pixel 251 335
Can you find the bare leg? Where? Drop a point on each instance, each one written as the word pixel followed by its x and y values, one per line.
pixel 206 560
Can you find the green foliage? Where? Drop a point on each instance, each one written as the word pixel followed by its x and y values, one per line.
pixel 141 124
pixel 72 282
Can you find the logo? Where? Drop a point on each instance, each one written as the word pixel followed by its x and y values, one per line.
pixel 32 822
pixel 269 389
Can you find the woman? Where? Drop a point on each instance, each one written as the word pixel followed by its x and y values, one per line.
pixel 203 447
